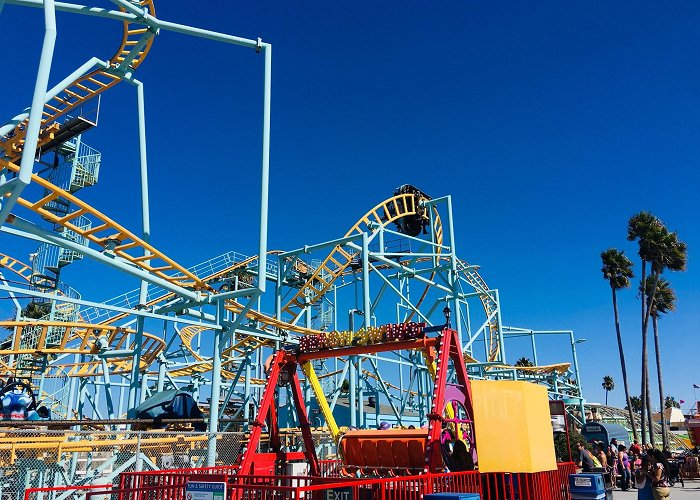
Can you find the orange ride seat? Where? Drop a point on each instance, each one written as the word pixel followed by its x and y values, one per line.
pixel 384 452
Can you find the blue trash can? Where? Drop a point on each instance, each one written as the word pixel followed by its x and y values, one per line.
pixel 587 487
pixel 452 496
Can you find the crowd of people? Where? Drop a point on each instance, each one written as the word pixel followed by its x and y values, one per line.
pixel 647 469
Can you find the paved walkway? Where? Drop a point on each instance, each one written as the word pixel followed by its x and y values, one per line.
pixel 691 491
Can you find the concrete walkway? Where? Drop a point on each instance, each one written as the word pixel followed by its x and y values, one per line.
pixel 691 491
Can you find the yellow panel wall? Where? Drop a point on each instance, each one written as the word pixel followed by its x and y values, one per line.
pixel 513 426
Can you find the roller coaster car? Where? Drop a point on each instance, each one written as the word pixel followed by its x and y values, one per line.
pixel 171 404
pixel 18 402
pixel 411 225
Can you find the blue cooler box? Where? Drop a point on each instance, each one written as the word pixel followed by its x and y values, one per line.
pixel 587 486
pixel 452 496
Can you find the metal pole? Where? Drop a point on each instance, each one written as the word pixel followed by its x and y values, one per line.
pixel 352 376
pixel 454 280
pixel 265 181
pixel 246 389
pixel 578 376
pixel 278 288
pixel 534 348
pixel 144 387
pixel 215 387
pixel 501 337
pixel 366 309
pixel 108 389
pixel 143 292
pixel 34 124
pixel 160 385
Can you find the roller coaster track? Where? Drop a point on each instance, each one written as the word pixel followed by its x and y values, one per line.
pixel 171 295
pixel 188 333
pixel 80 337
pixel 490 306
pixel 150 348
pixel 92 368
pixel 19 268
pixel 202 365
pixel 114 238
pixel 75 336
pixel 135 44
pixel 336 263
pixel 88 335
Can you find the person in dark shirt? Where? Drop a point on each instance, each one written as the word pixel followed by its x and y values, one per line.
pixel 461 458
pixel 585 457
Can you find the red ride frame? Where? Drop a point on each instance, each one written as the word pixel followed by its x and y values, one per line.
pixel 284 368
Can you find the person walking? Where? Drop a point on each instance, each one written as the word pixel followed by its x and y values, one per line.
pixel 642 481
pixel 660 485
pixel 612 462
pixel 613 445
pixel 623 467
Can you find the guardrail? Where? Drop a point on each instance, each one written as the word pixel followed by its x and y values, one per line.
pixel 171 484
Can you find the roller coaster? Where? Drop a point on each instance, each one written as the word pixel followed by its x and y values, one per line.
pixel 208 329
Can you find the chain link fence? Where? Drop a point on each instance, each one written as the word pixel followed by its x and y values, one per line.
pixel 39 459
pixel 36 459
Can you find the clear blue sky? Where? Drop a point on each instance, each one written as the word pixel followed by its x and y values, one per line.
pixel 549 124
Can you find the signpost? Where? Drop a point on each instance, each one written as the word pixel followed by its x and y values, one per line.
pixel 205 490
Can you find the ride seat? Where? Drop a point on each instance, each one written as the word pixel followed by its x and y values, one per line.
pixel 384 452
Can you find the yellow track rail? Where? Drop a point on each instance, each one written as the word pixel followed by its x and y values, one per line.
pixel 203 365
pixel 334 266
pixel 77 332
pixel 339 259
pixel 17 267
pixel 490 306
pixel 108 234
pixel 76 338
pixel 88 86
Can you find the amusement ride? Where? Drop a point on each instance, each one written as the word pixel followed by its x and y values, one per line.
pixel 364 322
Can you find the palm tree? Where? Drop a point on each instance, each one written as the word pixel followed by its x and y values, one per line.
pixel 617 269
pixel 608 385
pixel 670 402
pixel 664 302
pixel 640 227
pixel 523 362
pixel 663 250
pixel 667 252
pixel 636 403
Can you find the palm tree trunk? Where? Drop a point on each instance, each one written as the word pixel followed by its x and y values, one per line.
pixel 645 330
pixel 644 355
pixel 623 366
pixel 664 432
pixel 606 397
pixel 649 409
